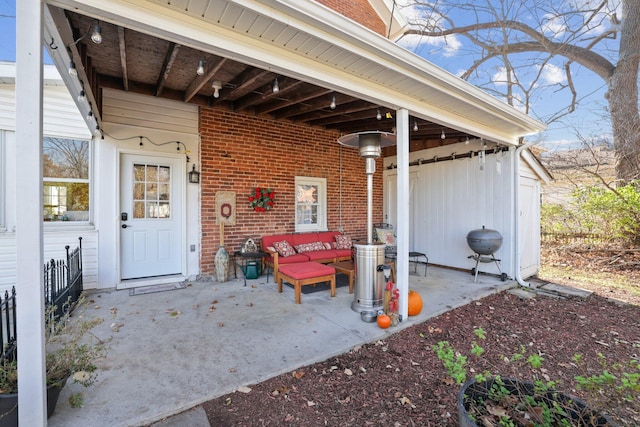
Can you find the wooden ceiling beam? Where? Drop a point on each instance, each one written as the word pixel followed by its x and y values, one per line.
pixel 306 93
pixel 169 58
pixel 123 58
pixel 199 82
pixel 265 94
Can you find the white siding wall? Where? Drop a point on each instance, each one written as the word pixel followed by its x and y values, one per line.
pixel 451 198
pixel 133 109
pixel 126 117
pixel 62 119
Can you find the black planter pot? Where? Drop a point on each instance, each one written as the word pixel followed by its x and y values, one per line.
pixel 577 411
pixel 9 406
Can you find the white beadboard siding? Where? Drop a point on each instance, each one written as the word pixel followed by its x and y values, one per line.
pixel 7 261
pixel 147 111
pixel 54 243
pixel 60 116
pixel 7 107
pixel 451 198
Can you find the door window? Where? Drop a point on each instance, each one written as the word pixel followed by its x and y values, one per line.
pixel 151 191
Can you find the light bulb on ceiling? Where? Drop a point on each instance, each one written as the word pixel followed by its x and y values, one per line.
pixel 415 126
pixel 200 70
pixel 82 96
pixel 73 71
pixel 442 135
pixel 333 103
pixel 216 85
pixel 276 86
pixel 378 115
pixel 466 141
pixel 96 36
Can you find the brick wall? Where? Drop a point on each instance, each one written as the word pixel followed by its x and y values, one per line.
pixel 358 10
pixel 240 152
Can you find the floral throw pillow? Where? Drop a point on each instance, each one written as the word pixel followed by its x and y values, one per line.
pixel 386 236
pixel 343 242
pixel 310 247
pixel 284 248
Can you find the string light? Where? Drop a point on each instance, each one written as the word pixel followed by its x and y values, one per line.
pixel 216 85
pixel 200 70
pixel 333 103
pixel 73 71
pixel 415 126
pixel 96 36
pixel 276 86
pixel 443 136
pixel 378 115
pixel 82 96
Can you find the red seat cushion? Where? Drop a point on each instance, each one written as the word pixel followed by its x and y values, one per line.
pixel 306 270
pixel 293 259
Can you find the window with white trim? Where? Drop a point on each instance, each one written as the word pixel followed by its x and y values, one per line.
pixel 66 179
pixel 311 204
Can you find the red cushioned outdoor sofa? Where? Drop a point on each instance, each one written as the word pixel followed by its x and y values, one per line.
pixel 322 247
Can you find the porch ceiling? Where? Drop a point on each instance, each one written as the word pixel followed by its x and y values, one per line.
pixel 134 59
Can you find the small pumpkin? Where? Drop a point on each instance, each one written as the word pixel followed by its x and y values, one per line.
pixel 384 321
pixel 415 303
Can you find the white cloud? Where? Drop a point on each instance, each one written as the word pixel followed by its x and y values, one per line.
pixel 499 78
pixel 552 74
pixel 554 26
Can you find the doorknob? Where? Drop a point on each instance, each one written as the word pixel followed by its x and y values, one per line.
pixel 125 226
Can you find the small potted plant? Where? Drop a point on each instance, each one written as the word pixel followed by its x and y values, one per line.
pixel 71 352
pixel 489 399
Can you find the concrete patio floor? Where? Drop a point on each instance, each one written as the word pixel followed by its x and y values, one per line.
pixel 171 351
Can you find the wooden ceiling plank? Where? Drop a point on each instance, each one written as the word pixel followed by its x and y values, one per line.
pixel 169 58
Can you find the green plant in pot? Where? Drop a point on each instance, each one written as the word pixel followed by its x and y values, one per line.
pixel 491 400
pixel 71 352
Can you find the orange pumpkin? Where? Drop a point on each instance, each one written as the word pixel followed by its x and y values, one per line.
pixel 384 321
pixel 415 303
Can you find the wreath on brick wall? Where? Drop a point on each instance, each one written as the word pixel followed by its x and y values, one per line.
pixel 262 199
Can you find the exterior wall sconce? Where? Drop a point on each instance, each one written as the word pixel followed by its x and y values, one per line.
pixel 194 176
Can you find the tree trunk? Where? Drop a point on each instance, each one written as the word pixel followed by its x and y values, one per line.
pixel 623 96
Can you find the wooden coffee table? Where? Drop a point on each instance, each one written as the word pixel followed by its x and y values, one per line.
pixel 346 267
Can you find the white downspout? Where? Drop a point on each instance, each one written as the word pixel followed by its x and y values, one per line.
pixel 516 213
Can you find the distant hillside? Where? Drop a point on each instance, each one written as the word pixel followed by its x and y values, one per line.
pixel 576 168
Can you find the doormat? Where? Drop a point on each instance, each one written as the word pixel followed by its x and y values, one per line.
pixel 341 282
pixel 143 290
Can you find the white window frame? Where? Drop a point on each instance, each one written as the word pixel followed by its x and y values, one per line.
pixel 321 184
pixel 89 181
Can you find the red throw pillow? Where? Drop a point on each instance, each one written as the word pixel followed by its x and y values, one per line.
pixel 343 242
pixel 284 248
pixel 310 247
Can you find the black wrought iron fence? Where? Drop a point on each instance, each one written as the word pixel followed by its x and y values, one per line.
pixel 8 331
pixel 62 288
pixel 63 281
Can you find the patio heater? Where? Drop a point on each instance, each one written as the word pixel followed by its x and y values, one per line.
pixel 369 257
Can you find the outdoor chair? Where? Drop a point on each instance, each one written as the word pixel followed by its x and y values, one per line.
pixel 384 233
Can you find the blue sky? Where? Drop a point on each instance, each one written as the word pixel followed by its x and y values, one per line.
pixel 454 58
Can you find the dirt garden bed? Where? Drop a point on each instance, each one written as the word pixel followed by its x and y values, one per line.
pixel 400 381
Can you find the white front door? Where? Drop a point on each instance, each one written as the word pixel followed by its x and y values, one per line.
pixel 150 216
